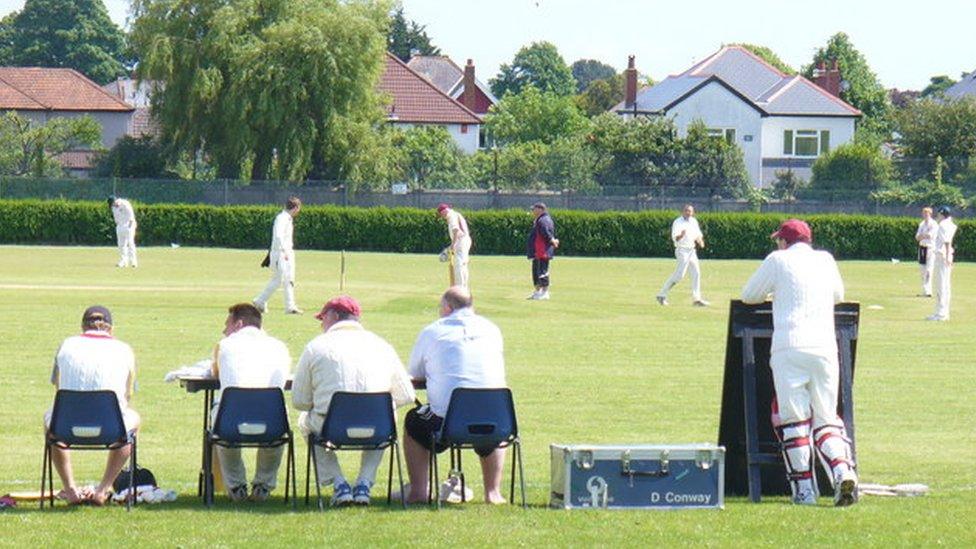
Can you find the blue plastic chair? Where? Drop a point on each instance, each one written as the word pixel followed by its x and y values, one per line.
pixel 250 418
pixel 478 418
pixel 357 421
pixel 85 420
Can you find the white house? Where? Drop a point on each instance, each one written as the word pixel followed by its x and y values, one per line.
pixel 779 121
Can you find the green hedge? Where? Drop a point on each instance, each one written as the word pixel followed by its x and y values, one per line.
pixel 636 234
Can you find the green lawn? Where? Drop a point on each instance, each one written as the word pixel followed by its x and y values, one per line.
pixel 599 363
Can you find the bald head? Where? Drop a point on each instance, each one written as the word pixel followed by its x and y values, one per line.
pixel 455 298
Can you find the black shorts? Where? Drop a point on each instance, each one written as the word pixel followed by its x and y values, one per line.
pixel 923 253
pixel 421 425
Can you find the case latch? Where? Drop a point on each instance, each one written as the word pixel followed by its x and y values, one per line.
pixel 704 459
pixel 584 459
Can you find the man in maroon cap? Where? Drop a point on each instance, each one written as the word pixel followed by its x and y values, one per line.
pixel 457 251
pixel 345 357
pixel 805 284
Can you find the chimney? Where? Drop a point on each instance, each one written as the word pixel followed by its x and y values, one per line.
pixel 468 95
pixel 630 76
pixel 828 79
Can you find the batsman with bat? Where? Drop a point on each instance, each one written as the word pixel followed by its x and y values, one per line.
pixel 457 252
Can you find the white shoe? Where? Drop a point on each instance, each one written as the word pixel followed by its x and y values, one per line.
pixel 701 303
pixel 120 264
pixel 544 295
pixel 805 497
pixel 937 318
pixel 661 300
pixel 295 311
pixel 845 489
pixel 450 491
pixel 534 295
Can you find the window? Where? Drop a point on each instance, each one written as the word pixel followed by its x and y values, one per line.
pixel 805 142
pixel 727 133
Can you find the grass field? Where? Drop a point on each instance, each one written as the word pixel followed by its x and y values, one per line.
pixel 600 363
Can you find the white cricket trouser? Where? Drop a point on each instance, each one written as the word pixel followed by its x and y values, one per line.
pixel 461 249
pixel 282 274
pixel 126 237
pixel 327 463
pixel 926 269
pixel 806 383
pixel 235 474
pixel 687 261
pixel 943 285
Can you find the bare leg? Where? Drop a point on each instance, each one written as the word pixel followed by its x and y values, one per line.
pixel 417 457
pixel 491 472
pixel 115 463
pixel 62 464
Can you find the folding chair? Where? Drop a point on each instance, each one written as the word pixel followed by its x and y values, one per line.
pixel 85 420
pixel 250 418
pixel 357 421
pixel 477 418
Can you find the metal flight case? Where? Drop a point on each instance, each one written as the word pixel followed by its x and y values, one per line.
pixel 688 476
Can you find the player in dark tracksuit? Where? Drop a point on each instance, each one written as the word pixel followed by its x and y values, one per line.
pixel 540 248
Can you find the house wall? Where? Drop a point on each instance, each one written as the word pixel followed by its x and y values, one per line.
pixel 114 124
pixel 468 142
pixel 841 132
pixel 717 107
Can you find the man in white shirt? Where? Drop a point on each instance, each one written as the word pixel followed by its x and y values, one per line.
pixel 94 361
pixel 457 231
pixel 805 284
pixel 925 236
pixel 282 259
pixel 944 256
pixel 248 357
pixel 345 357
pixel 686 236
pixel 461 349
pixel 125 230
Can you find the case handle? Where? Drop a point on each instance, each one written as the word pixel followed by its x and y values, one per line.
pixel 662 471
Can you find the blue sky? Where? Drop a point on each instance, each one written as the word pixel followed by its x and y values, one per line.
pixel 905 44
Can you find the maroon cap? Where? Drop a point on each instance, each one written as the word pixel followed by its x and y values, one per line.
pixel 342 304
pixel 443 206
pixel 792 231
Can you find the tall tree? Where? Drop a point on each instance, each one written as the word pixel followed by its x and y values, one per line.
pixel 75 34
pixel 601 95
pixel 27 148
pixel 533 115
pixel 862 89
pixel 586 71
pixel 768 56
pixel 286 87
pixel 947 129
pixel 405 37
pixel 937 85
pixel 538 64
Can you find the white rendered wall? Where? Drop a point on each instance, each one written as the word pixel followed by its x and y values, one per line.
pixel 841 132
pixel 468 142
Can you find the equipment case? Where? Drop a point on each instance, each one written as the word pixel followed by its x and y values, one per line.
pixel 689 476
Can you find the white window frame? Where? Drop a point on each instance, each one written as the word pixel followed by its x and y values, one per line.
pixel 723 133
pixel 816 134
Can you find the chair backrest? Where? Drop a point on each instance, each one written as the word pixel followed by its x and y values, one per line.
pixel 87 418
pixel 480 417
pixel 359 419
pixel 247 415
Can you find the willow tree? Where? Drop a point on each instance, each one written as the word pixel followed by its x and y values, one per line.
pixel 269 88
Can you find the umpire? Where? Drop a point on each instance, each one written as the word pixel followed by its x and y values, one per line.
pixel 540 248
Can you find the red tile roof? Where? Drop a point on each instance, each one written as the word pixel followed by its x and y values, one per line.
pixel 416 100
pixel 39 88
pixel 78 160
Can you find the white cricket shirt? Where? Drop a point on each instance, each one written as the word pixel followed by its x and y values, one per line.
pixel 123 214
pixel 691 229
pixel 347 357
pixel 944 236
pixel 251 358
pixel 459 350
pixel 804 284
pixel 281 233
pixel 95 361
pixel 927 230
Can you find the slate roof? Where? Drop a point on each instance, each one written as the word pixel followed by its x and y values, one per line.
pixel 965 87
pixel 41 89
pixel 444 73
pixel 416 99
pixel 756 82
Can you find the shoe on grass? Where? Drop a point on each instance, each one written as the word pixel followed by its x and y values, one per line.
pixel 661 300
pixel 845 489
pixel 295 311
pixel 238 493
pixel 360 494
pixel 260 492
pixel 342 495
pixel 701 303
pixel 805 496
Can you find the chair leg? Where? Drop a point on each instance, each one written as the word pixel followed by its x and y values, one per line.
pixel 318 487
pixel 208 473
pixel 50 476
pixel 287 471
pixel 308 469
pixel 294 480
pixel 130 498
pixel 47 449
pixel 435 482
pixel 460 470
pixel 518 446
pixel 403 494
pixel 511 491
pixel 389 477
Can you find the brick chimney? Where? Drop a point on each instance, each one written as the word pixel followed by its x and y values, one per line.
pixel 468 96
pixel 828 79
pixel 630 89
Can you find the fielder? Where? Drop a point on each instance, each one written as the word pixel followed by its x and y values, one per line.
pixel 457 251
pixel 686 236
pixel 282 259
pixel 805 284
pixel 925 236
pixel 944 253
pixel 125 230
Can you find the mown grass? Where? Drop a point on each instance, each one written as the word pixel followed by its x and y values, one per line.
pixel 599 363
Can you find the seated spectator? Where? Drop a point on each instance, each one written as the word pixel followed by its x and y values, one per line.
pixel 248 357
pixel 94 361
pixel 461 349
pixel 346 357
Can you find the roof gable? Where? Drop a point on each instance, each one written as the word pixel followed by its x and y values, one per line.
pixel 966 86
pixel 415 99
pixel 54 89
pixel 439 69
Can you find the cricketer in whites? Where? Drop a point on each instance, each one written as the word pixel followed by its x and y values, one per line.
pixel 282 259
pixel 125 230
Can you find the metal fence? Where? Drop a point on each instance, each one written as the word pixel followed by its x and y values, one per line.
pixel 622 198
